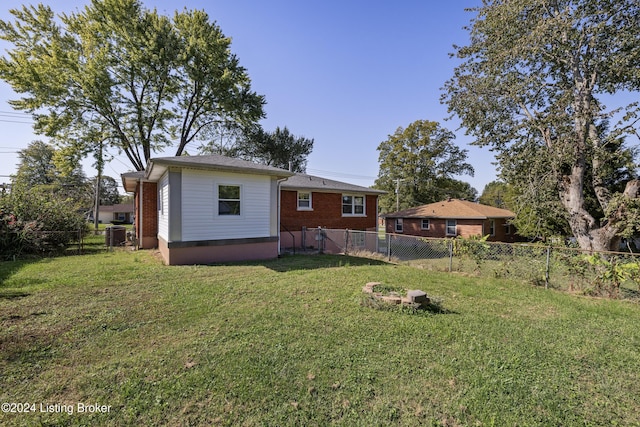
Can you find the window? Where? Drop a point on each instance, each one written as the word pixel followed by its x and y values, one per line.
pixel 451 227
pixel 161 201
pixel 352 205
pixel 507 228
pixel 304 201
pixel 398 225
pixel 425 224
pixel 492 227
pixel 228 200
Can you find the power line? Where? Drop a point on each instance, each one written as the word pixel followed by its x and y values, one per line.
pixel 10 114
pixel 15 121
pixel 342 175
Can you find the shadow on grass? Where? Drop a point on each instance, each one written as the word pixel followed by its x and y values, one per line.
pixel 8 269
pixel 433 307
pixel 288 263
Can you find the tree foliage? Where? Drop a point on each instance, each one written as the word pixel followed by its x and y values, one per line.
pixel 123 74
pixel 279 148
pixel 33 222
pixel 109 194
pixel 532 85
pixel 41 166
pixel 420 161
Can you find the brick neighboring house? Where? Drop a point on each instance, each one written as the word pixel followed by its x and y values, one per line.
pixel 452 218
pixel 308 201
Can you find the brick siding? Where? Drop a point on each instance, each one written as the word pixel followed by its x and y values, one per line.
pixel 327 212
pixel 465 228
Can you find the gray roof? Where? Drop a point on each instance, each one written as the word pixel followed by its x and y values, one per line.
pixel 157 166
pixel 302 181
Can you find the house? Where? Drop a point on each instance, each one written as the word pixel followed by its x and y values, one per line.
pixel 452 218
pixel 309 202
pixel 120 213
pixel 205 209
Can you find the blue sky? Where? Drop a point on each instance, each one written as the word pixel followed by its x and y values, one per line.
pixel 345 73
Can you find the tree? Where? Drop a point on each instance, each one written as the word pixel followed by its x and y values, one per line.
pixel 109 194
pixel 538 213
pixel 36 166
pixel 43 167
pixel 531 86
pixel 417 165
pixel 279 148
pixel 495 194
pixel 123 74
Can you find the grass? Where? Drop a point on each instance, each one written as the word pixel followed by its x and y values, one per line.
pixel 287 342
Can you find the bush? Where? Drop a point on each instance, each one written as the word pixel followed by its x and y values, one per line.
pixel 34 222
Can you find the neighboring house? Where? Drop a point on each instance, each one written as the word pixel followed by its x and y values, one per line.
pixel 205 209
pixel 452 218
pixel 122 213
pixel 309 202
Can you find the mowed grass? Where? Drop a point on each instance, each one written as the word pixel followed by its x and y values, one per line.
pixel 287 342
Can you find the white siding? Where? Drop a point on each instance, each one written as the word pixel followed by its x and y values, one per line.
pixel 200 219
pixel 163 207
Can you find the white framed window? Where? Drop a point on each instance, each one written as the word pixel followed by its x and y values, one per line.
pixel 228 199
pixel 424 224
pixel 353 204
pixel 161 202
pixel 304 201
pixel 492 227
pixel 399 225
pixel 452 227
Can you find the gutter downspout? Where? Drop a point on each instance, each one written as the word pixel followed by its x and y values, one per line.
pixel 140 214
pixel 279 183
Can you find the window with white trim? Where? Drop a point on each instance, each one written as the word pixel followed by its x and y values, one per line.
pixel 399 225
pixel 352 205
pixel 304 201
pixel 228 199
pixel 452 227
pixel 424 224
pixel 161 204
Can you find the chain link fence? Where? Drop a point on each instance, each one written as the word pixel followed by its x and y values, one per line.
pixel 612 274
pixel 47 243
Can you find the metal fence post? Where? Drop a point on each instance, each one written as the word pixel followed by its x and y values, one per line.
pixel 450 255
pixel 346 241
pixel 388 247
pixel 546 273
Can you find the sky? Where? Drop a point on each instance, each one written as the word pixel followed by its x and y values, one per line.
pixel 345 73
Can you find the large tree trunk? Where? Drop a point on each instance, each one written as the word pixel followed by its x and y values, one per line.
pixel 590 234
pixel 581 222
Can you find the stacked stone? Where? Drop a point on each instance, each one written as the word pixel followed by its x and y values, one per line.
pixel 415 298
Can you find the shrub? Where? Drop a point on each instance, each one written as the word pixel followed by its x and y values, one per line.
pixel 34 222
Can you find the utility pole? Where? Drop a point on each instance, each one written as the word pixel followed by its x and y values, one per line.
pixel 398 193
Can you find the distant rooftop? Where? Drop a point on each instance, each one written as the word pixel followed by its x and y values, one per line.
pixel 453 209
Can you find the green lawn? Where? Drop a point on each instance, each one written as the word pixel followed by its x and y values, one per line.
pixel 287 342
